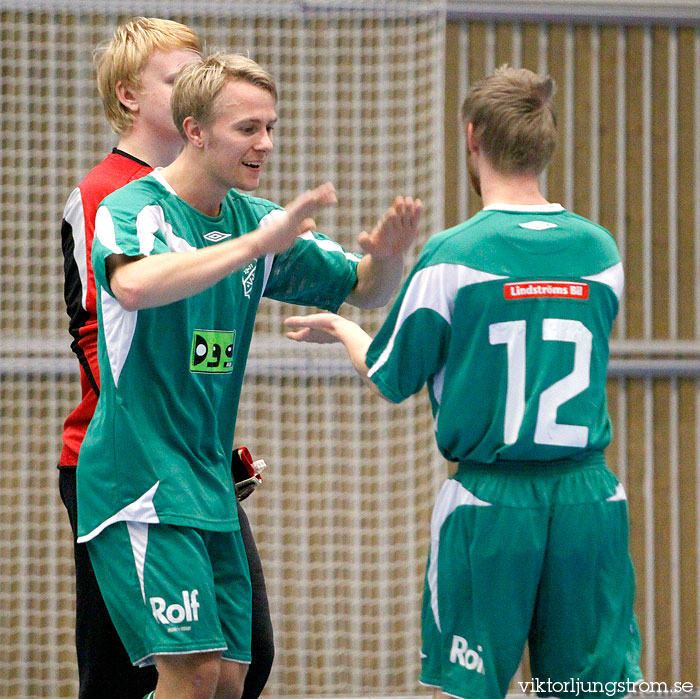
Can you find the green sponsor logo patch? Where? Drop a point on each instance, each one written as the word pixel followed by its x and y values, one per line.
pixel 212 351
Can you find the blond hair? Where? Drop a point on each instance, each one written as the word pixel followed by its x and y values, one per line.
pixel 514 120
pixel 124 56
pixel 198 85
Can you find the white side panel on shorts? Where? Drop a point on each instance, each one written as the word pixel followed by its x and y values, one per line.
pixel 451 496
pixel 138 535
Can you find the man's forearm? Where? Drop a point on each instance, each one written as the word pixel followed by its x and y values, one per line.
pixel 356 342
pixel 379 271
pixel 169 277
pixel 377 279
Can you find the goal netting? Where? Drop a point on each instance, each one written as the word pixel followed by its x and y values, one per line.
pixel 341 521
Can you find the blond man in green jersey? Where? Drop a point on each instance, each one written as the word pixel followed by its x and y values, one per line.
pixel 182 258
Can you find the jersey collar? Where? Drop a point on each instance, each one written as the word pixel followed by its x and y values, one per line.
pixel 525 208
pixel 157 175
pixel 124 154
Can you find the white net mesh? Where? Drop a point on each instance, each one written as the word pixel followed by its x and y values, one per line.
pixel 341 521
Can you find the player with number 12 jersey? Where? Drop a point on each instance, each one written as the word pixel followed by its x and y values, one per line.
pixel 480 303
pixel 506 317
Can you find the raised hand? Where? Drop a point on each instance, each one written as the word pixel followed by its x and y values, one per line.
pixel 280 231
pixel 395 231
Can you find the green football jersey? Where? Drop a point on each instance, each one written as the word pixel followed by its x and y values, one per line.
pixel 507 318
pixel 159 446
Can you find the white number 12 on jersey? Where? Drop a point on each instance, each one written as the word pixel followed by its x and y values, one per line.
pixel 547 431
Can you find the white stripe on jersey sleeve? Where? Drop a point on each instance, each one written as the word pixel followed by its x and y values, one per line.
pixel 613 276
pixel 74 215
pixel 434 288
pixel 330 246
pixel 151 219
pixel 104 230
pixel 323 243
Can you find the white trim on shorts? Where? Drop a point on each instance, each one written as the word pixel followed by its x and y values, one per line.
pixel 150 658
pixel 439 688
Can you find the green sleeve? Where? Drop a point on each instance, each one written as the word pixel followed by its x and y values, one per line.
pixel 315 271
pixel 411 347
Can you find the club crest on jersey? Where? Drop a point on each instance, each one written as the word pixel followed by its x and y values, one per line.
pixel 545 289
pixel 216 236
pixel 212 351
pixel 249 278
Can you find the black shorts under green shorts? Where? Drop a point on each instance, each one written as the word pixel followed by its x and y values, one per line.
pixel 172 589
pixel 528 555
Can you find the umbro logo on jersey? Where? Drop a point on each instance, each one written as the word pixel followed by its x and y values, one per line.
pixel 467 657
pixel 545 289
pixel 216 236
pixel 538 225
pixel 176 613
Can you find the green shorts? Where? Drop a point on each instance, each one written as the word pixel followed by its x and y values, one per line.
pixel 172 589
pixel 521 556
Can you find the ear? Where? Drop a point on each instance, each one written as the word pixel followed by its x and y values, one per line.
pixel 126 95
pixel 194 132
pixel 472 143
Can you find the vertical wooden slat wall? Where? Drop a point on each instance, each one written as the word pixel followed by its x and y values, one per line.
pixel 627 102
